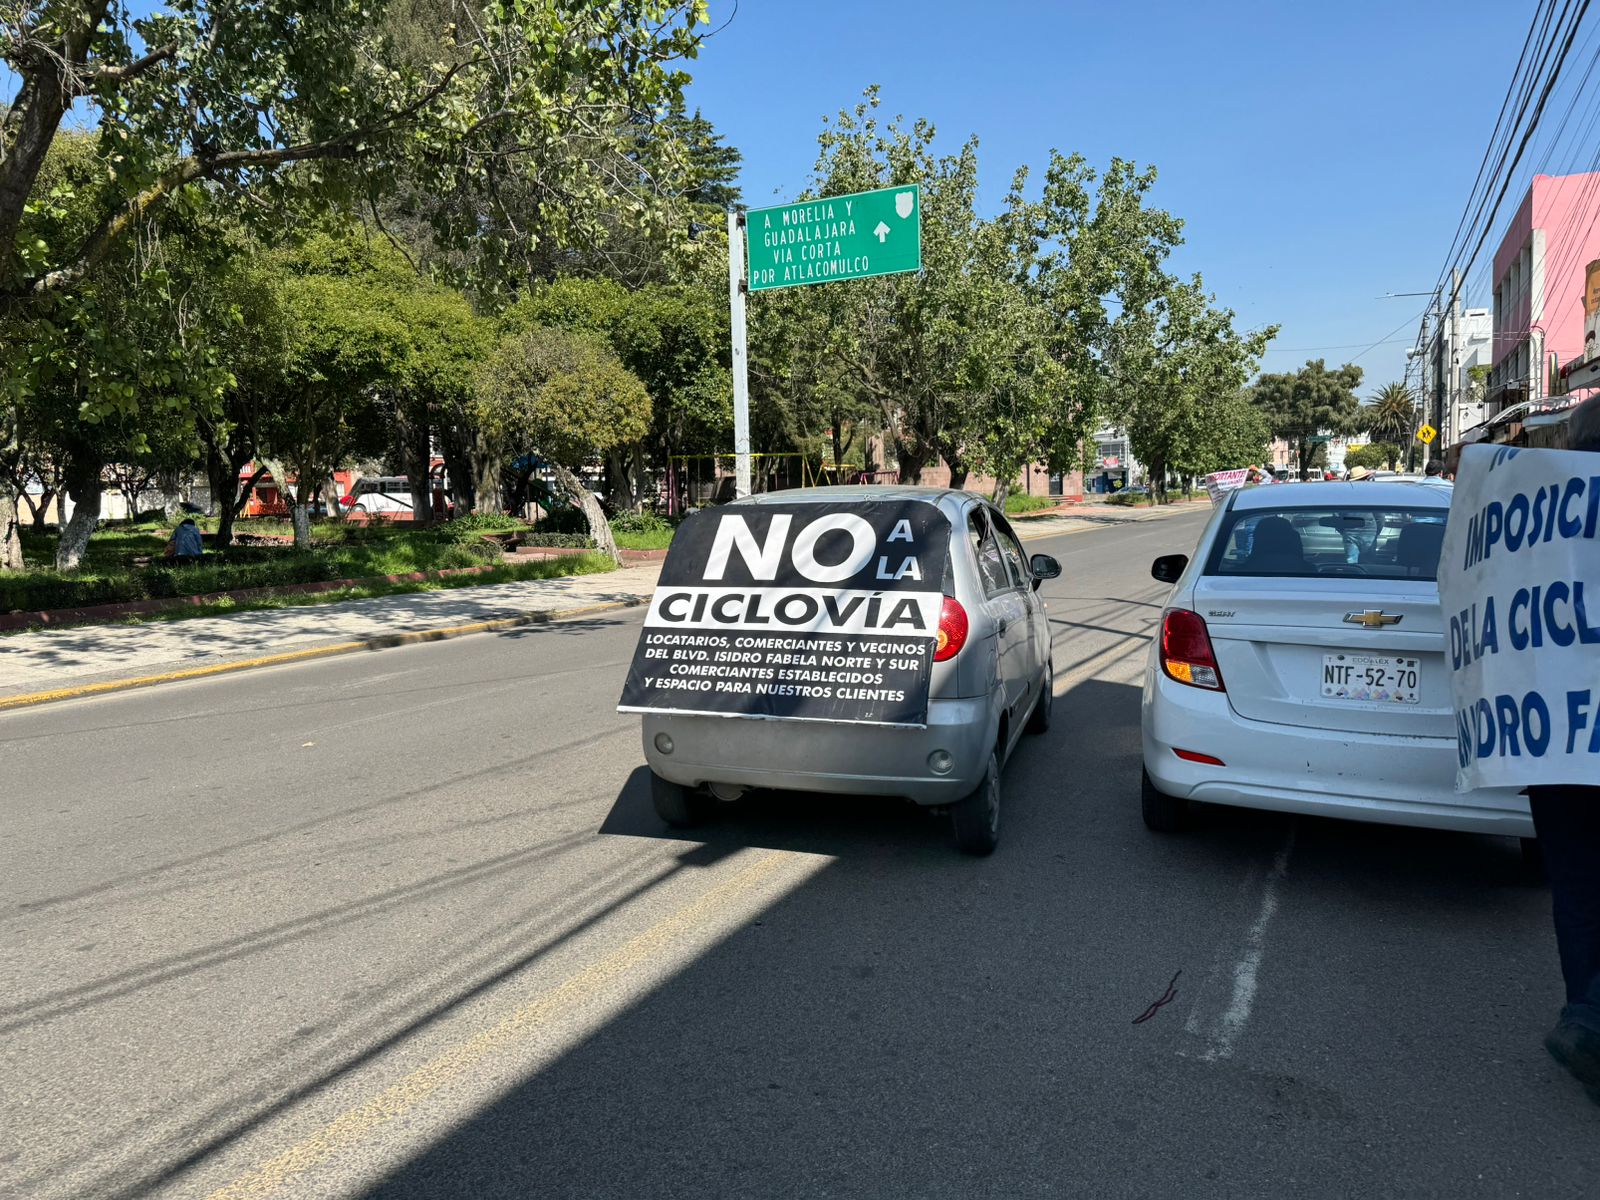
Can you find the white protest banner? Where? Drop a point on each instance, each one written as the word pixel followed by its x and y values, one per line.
pixel 1220 483
pixel 1519 582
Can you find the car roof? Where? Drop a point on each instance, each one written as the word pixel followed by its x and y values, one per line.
pixel 1399 493
pixel 858 491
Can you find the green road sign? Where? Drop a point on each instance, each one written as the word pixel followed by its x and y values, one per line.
pixel 841 237
pixel 1317 439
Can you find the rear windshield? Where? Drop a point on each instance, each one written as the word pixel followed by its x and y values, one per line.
pixel 1387 543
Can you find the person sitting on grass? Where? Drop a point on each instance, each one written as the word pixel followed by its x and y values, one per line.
pixel 187 544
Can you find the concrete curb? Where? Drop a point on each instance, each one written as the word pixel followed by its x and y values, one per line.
pixel 384 642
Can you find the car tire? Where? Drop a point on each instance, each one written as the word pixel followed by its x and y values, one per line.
pixel 677 805
pixel 1039 718
pixel 976 816
pixel 1162 813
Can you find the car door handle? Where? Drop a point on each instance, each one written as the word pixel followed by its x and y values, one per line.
pixel 1003 625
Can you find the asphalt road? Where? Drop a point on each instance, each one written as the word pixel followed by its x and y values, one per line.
pixel 403 924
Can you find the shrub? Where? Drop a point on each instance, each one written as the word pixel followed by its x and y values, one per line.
pixel 563 520
pixel 485 523
pixel 561 541
pixel 1022 502
pixel 640 522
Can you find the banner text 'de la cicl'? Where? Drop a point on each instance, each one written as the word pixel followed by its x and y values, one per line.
pixel 1519 581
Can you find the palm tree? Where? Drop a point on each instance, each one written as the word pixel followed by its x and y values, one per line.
pixel 1392 414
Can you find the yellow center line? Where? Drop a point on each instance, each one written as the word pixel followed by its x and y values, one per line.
pixel 357 1123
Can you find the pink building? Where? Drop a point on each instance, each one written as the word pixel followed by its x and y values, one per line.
pixel 1539 277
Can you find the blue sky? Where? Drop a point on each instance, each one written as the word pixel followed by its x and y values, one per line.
pixel 1320 155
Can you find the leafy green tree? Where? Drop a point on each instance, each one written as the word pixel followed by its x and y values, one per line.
pixel 711 166
pixel 674 337
pixel 345 343
pixel 1374 456
pixel 1101 249
pixel 951 361
pixel 566 397
pixel 1309 401
pixel 104 374
pixel 1178 372
pixel 315 101
pixel 1392 414
pixel 445 342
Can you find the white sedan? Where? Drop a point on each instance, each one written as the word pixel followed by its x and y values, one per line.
pixel 1300 665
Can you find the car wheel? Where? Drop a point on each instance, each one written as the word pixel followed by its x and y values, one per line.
pixel 677 805
pixel 977 815
pixel 1039 718
pixel 1162 813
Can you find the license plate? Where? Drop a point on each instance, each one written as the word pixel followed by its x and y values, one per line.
pixel 1385 678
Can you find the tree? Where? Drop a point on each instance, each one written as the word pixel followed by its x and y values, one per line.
pixel 433 384
pixel 1392 414
pixel 345 342
pixel 1100 276
pixel 1309 401
pixel 956 361
pixel 674 337
pixel 10 487
pixel 1373 456
pixel 1176 379
pixel 104 374
pixel 566 397
pixel 711 166
pixel 314 101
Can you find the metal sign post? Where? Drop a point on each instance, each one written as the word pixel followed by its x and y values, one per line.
pixel 858 236
pixel 740 361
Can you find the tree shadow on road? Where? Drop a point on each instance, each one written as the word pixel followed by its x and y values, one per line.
pixel 912 1023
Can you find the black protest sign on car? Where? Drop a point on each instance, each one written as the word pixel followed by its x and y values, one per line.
pixel 805 611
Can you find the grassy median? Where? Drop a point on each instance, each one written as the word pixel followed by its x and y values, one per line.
pixel 126 563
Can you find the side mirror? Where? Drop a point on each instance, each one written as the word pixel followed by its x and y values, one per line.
pixel 1043 567
pixel 1169 567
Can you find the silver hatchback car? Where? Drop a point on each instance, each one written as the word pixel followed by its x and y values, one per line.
pixel 990 681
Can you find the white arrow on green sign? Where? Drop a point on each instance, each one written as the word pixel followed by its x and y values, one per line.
pixel 840 237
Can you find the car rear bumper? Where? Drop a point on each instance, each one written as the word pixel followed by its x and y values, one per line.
pixel 824 756
pixel 1389 779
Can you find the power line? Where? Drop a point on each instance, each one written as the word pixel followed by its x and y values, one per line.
pixel 1494 136
pixel 1533 124
pixel 1524 89
pixel 1341 346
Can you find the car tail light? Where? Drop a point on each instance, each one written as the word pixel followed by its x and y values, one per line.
pixel 1186 653
pixel 1195 756
pixel 952 630
pixel 347 501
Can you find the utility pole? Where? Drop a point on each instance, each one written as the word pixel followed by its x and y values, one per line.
pixel 739 359
pixel 1422 388
pixel 1447 407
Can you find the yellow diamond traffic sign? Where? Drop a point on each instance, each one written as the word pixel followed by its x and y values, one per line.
pixel 1426 434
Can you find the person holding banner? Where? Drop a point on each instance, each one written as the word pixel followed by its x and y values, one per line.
pixel 1567 818
pixel 1519 582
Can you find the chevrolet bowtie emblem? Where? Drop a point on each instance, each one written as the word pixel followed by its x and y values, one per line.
pixel 1372 618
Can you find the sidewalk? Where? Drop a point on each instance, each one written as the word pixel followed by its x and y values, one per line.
pixel 93 654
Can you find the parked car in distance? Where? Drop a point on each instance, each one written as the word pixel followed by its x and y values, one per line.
pixel 389 496
pixel 991 680
pixel 1300 665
